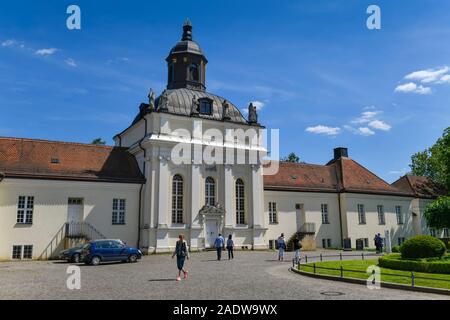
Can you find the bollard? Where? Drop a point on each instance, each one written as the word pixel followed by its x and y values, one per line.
pixel 362 255
pixel 321 257
pixel 342 272
pixel 340 256
pixel 293 262
pixel 412 279
pixel 314 267
pixel 306 258
pixel 373 275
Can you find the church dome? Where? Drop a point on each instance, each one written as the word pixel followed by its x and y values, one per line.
pixel 180 102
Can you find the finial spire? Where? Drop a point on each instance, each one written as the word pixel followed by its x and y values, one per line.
pixel 187 30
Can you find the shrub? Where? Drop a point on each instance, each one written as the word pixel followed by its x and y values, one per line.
pixel 395 261
pixel 422 246
pixel 396 249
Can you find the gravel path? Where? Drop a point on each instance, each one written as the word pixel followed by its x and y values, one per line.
pixel 251 275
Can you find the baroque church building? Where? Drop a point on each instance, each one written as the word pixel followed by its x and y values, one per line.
pixel 190 163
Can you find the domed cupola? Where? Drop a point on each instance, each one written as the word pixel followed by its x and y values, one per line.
pixel 186 63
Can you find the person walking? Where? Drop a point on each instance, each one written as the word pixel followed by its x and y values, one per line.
pixel 281 247
pixel 380 243
pixel 219 244
pixel 182 253
pixel 297 247
pixel 377 243
pixel 230 246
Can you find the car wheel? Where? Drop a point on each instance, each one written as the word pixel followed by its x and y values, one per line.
pixel 95 261
pixel 132 258
pixel 76 258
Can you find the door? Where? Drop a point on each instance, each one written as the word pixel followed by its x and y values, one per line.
pixel 211 232
pixel 299 216
pixel 75 210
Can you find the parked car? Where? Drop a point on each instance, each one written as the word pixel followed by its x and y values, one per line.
pixel 98 251
pixel 72 254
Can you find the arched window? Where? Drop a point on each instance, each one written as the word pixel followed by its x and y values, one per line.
pixel 177 199
pixel 210 192
pixel 193 72
pixel 240 202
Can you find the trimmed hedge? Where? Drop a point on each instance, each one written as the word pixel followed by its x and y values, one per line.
pixel 396 249
pixel 395 261
pixel 422 246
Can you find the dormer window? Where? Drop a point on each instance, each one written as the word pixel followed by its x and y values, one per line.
pixel 205 106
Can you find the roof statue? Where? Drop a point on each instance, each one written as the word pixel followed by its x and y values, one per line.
pixel 195 110
pixel 226 110
pixel 151 99
pixel 163 100
pixel 252 115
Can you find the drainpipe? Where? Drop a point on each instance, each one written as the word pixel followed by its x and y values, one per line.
pixel 340 219
pixel 142 184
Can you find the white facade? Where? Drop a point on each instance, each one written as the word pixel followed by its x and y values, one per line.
pixel 153 148
pixel 51 212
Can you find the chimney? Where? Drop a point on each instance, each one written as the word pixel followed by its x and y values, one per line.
pixel 340 152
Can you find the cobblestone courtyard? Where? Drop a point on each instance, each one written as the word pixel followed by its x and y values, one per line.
pixel 251 275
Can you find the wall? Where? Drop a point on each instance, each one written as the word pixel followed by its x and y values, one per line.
pixel 372 227
pixel 287 217
pixel 50 212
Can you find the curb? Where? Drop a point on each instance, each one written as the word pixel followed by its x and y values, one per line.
pixel 389 285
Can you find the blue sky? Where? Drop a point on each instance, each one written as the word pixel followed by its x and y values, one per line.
pixel 320 75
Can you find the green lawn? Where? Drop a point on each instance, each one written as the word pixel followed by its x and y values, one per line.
pixel 386 274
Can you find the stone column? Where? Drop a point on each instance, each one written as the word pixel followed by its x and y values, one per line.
pixel 162 240
pixel 258 207
pixel 196 228
pixel 229 190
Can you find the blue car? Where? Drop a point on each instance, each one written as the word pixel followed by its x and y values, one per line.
pixel 98 251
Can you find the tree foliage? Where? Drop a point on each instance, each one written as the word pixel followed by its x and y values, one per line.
pixel 98 141
pixel 437 213
pixel 292 157
pixel 435 161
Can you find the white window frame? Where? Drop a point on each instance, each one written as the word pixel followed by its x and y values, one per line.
pixel 22 252
pixel 210 191
pixel 399 214
pixel 445 233
pixel 381 215
pixel 273 214
pixel 361 214
pixel 25 210
pixel 240 202
pixel 118 211
pixel 177 199
pixel 325 215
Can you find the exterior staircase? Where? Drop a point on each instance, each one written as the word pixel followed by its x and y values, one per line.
pixel 78 233
pixel 306 234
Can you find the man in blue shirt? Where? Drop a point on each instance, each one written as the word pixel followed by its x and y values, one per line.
pixel 219 244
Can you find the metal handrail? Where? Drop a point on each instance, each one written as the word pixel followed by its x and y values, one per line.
pixel 82 229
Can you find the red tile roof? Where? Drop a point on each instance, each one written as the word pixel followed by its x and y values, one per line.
pixel 341 175
pixel 29 158
pixel 421 187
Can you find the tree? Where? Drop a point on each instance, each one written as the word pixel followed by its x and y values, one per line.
pixel 437 213
pixel 435 161
pixel 292 157
pixel 98 141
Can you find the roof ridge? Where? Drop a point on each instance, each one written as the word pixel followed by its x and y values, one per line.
pixel 57 142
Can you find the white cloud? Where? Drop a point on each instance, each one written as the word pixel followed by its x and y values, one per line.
pixel 411 87
pixel 45 52
pixel 429 75
pixel 379 125
pixel 320 129
pixel 446 78
pixel 258 104
pixel 71 62
pixel 366 117
pixel 9 43
pixel 362 131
